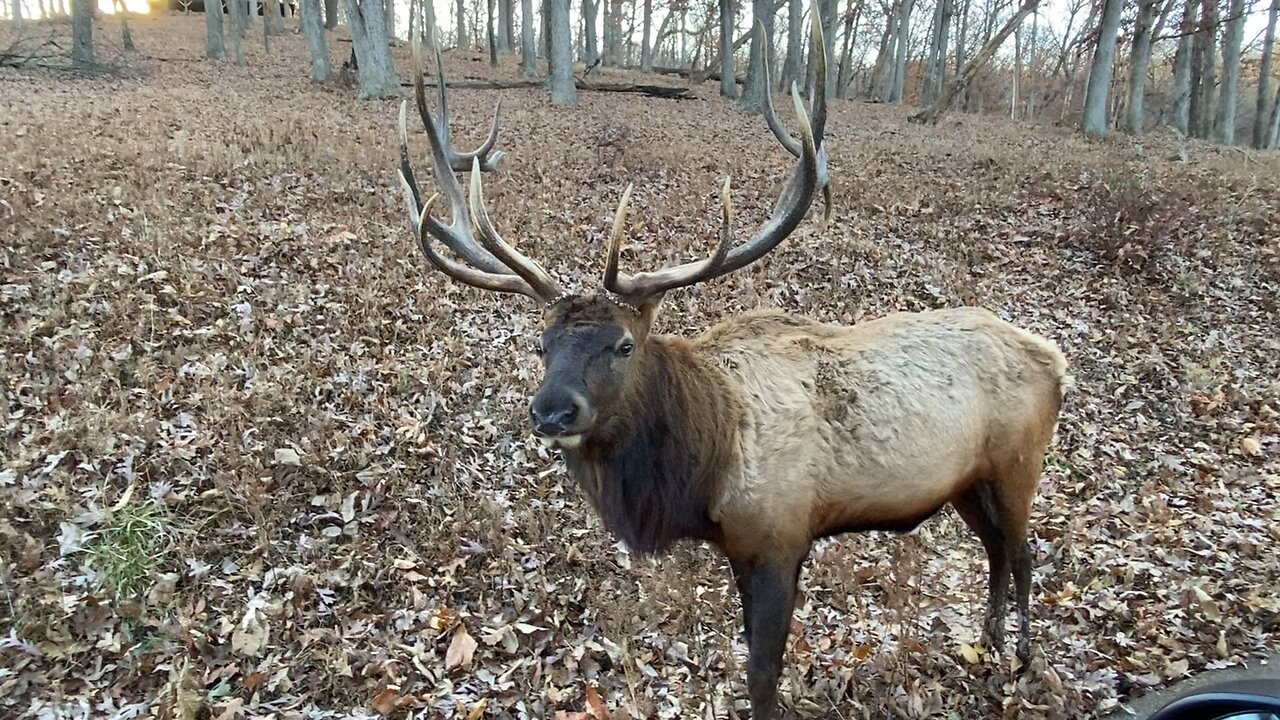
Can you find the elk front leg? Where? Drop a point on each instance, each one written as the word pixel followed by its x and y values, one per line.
pixel 742 578
pixel 773 595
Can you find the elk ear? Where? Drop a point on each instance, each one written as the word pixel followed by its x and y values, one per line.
pixel 647 309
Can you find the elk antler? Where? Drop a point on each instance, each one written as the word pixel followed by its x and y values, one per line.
pixel 491 264
pixel 788 210
pixel 819 120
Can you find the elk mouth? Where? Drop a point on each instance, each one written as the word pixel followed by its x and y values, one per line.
pixel 560 442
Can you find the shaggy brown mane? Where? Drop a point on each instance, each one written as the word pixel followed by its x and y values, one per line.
pixel 654 466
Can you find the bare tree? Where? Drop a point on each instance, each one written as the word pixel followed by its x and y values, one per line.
pixel 82 33
pixel 314 30
pixel 528 46
pixel 272 16
pixel 489 33
pixel 795 48
pixel 506 26
pixel 1224 124
pixel 590 40
pixel 331 14
pixel 215 47
pixel 728 81
pixel 852 16
pixel 461 40
pixel 826 10
pixel 962 79
pixel 1264 78
pixel 375 74
pixel 936 70
pixel 1204 70
pixel 1144 30
pixel 753 89
pixel 1182 90
pixel 237 12
pixel 646 50
pixel 1094 119
pixel 563 90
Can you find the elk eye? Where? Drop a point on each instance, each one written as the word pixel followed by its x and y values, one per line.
pixel 626 348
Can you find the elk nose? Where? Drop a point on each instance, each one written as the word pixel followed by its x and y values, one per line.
pixel 551 420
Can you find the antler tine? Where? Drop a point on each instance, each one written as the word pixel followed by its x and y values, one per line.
pixel 530 271
pixel 483 268
pixel 787 213
pixel 461 161
pixel 655 283
pixel 818 112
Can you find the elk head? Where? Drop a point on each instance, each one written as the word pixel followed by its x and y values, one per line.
pixel 593 347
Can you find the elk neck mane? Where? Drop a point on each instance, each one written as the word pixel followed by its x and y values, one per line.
pixel 654 467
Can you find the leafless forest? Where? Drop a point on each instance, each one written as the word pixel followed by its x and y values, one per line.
pixel 259 460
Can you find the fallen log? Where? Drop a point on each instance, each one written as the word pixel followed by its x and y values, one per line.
pixel 664 92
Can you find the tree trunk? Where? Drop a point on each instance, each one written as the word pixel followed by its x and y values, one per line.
pixel 962 37
pixel 314 31
pixel 126 37
pixel 489 33
pixel 528 46
pixel 331 14
pixel 237 13
pixel 1033 69
pixel 82 33
pixel 429 29
pixel 375 75
pixel 1273 133
pixel 826 10
pixel 1139 60
pixel 937 67
pixel 882 72
pixel 563 90
pixel 1225 120
pixel 1204 70
pixel 461 41
pixel 506 29
pixel 962 79
pixel 591 44
pixel 1094 119
pixel 795 45
pixel 1264 78
pixel 728 83
pixel 15 12
pixel 753 89
pixel 1017 73
pixel 1182 86
pixel 615 32
pixel 902 47
pixel 646 49
pixel 272 17
pixel 851 20
pixel 215 47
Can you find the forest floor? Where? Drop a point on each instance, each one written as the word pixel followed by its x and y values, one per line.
pixel 259 460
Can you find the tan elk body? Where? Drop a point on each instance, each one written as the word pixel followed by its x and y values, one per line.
pixel 768 431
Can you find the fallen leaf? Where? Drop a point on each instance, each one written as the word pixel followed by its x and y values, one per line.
pixel 595 705
pixel 389 701
pixel 461 649
pixel 1251 446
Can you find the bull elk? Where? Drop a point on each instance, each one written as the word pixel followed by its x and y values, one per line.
pixel 769 431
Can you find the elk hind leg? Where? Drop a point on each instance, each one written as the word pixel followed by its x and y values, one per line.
pixel 1014 499
pixel 978 507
